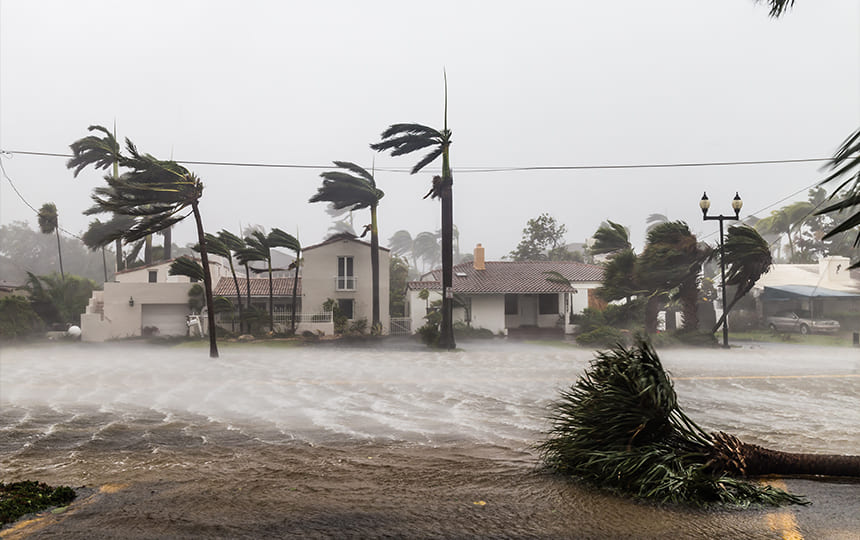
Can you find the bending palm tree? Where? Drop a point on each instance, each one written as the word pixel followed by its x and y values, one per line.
pixel 747 257
pixel 49 223
pixel 259 249
pixel 234 245
pixel 355 192
pixel 154 192
pixel 403 139
pixel 279 238
pixel 100 234
pixel 845 167
pixel 610 238
pixel 216 247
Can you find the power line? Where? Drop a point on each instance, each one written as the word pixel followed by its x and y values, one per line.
pixel 481 169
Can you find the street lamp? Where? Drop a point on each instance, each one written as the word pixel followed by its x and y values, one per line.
pixel 737 204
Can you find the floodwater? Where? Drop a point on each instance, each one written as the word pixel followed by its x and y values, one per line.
pixel 358 442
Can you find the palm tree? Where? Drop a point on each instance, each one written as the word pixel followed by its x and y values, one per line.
pixel 354 192
pixel 785 221
pixel 401 244
pixel 655 219
pixel 403 139
pixel 49 223
pixel 610 238
pixel 845 168
pixel 279 238
pixel 747 256
pixel 217 247
pixel 101 233
pixel 426 247
pixel 155 193
pixel 234 245
pixel 259 249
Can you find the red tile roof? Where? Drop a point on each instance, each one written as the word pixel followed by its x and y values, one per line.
pixel 259 287
pixel 512 277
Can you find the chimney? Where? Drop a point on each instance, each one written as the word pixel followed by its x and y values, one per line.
pixel 479 258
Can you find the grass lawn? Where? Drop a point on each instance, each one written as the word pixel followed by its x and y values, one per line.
pixel 838 340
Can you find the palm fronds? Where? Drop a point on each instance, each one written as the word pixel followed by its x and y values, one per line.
pixel 620 427
pixel 186 266
pixel 845 168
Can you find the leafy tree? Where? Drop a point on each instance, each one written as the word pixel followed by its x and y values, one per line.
pixel 59 300
pixel 403 139
pixel 48 223
pixel 398 275
pixel 355 190
pixel 100 234
pixel 619 277
pixel 24 249
pixel 845 170
pixel 217 247
pixel 259 248
pixel 426 247
pixel 17 318
pixel 234 246
pixel 747 257
pixel 672 259
pixel 610 238
pixel 155 193
pixel 541 235
pixel 787 221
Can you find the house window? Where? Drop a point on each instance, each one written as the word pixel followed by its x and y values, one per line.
pixel 511 304
pixel 548 304
pixel 153 276
pixel 346 306
pixel 345 280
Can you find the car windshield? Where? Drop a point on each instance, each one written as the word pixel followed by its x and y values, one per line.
pixel 803 314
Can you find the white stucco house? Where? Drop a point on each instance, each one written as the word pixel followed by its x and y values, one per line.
pixel 504 296
pixel 142 300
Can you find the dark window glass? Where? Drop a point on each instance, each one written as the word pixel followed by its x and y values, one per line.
pixel 548 304
pixel 346 305
pixel 153 276
pixel 511 304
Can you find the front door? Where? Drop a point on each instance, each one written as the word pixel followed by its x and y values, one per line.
pixel 528 310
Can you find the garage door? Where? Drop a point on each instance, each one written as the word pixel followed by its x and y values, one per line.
pixel 168 318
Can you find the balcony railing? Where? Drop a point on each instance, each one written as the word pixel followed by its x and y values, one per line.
pixel 345 283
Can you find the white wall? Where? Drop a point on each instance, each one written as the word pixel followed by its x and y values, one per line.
pixel 121 320
pixel 488 311
pixel 320 270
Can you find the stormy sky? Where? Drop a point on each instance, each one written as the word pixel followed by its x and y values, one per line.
pixel 530 85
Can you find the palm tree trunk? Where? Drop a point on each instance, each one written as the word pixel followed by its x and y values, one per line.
pixel 117 245
pixel 168 243
pixel 446 330
pixel 295 292
pixel 248 292
pixel 104 263
pixel 689 293
pixel 238 292
pixel 147 250
pixel 271 299
pixel 60 252
pixel 376 325
pixel 207 281
pixel 743 459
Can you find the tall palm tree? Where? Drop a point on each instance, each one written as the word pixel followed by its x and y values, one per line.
pixel 279 238
pixel 747 257
pixel 216 246
pixel 156 193
pixel 401 244
pixel 259 249
pixel 101 233
pixel 354 192
pixel 426 247
pixel 403 139
pixel 655 219
pixel 610 238
pixel 49 223
pixel 234 245
pixel 845 168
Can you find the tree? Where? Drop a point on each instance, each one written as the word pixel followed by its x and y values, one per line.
pixel 356 191
pixel 426 247
pixel 100 234
pixel 787 220
pixel 59 300
pixel 155 193
pixel 620 427
pixel 23 249
pixel 619 277
pixel 217 247
pixel 48 223
pixel 845 169
pixel 747 257
pixel 259 249
pixel 17 318
pixel 655 219
pixel 234 245
pixel 398 275
pixel 610 238
pixel 403 139
pixel 541 235
pixel 672 259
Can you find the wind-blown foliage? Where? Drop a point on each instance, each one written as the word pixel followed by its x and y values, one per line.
pixel 747 257
pixel 233 244
pixel 157 194
pixel 49 223
pixel 620 427
pixel 610 238
pixel 186 266
pixel 845 169
pixel 356 191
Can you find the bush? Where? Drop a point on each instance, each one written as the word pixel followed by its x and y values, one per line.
pixel 590 319
pixel 17 318
pixel 461 330
pixel 21 498
pixel 310 336
pixel 603 336
pixel 358 327
pixel 429 334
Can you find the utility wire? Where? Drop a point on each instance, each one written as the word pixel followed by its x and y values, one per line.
pixel 480 169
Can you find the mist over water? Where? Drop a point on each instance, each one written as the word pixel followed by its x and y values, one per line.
pixel 141 397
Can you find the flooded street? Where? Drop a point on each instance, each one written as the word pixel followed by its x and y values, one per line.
pixel 343 442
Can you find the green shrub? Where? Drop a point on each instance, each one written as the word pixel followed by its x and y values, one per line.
pixel 358 327
pixel 590 319
pixel 463 331
pixel 21 498
pixel 17 318
pixel 603 336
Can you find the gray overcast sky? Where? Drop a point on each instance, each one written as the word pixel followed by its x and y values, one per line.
pixel 530 84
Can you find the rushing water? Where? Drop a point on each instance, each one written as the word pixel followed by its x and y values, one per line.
pixel 82 413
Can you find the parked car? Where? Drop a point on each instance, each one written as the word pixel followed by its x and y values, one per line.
pixel 800 321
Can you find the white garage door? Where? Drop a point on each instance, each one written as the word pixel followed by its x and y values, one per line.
pixel 168 318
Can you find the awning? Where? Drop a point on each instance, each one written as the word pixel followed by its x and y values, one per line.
pixel 787 292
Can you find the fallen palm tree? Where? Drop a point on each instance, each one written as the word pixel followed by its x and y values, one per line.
pixel 620 427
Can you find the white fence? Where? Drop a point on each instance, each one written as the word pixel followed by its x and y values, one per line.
pixel 310 322
pixel 400 326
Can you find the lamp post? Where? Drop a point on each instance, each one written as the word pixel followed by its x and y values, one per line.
pixel 737 204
